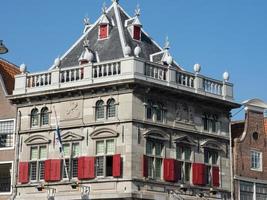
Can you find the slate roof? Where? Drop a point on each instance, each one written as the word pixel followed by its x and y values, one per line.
pixel 7 73
pixel 111 48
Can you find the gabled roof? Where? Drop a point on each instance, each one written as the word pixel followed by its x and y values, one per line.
pixel 7 74
pixel 114 46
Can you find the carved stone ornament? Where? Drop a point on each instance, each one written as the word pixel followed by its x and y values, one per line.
pixel 72 110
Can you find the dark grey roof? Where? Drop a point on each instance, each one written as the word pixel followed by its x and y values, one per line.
pixel 111 48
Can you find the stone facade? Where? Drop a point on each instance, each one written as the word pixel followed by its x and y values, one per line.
pixel 133 124
pixel 250 136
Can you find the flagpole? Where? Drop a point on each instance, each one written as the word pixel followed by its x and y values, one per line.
pixel 61 147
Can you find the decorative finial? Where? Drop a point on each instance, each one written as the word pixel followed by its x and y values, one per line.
pixel 23 68
pixel 127 50
pixel 167 43
pixel 137 11
pixel 57 62
pixel 197 68
pixel 86 21
pixel 104 8
pixel 226 76
pixel 137 51
pixel 86 43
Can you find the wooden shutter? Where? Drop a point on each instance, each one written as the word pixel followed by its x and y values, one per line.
pixel 136 32
pixel 199 174
pixel 90 161
pixel 145 166
pixel 116 165
pixel 215 176
pixel 103 31
pixel 52 170
pixel 170 170
pixel 81 165
pixel 23 172
pixel 86 168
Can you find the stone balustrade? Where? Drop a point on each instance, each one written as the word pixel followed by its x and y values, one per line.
pixel 122 69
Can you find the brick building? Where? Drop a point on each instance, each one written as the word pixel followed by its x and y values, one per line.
pixel 250 153
pixel 7 128
pixel 134 123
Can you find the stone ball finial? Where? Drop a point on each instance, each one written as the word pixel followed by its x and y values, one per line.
pixel 137 51
pixel 226 76
pixel 23 68
pixel 169 60
pixel 127 50
pixel 89 56
pixel 57 62
pixel 197 68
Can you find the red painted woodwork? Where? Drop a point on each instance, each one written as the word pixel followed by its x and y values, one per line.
pixel 136 32
pixel 198 174
pixel 23 172
pixel 170 169
pixel 103 31
pixel 116 165
pixel 215 176
pixel 52 170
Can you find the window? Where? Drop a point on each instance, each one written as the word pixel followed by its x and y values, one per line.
pixel 184 155
pixel 6 133
pixel 103 31
pixel 137 32
pixel 210 123
pixel 71 153
pixel 44 116
pixel 155 111
pixel 111 108
pixel 261 191
pixel 105 150
pixel 38 154
pixel 256 160
pixel 210 159
pixel 34 117
pixel 246 190
pixel 154 151
pixel 5 180
pixel 100 109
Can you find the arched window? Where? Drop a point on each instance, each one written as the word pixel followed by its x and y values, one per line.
pixel 111 108
pixel 100 109
pixel 34 117
pixel 44 116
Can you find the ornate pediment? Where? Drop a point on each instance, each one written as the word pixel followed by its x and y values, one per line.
pixel 212 144
pixel 103 133
pixel 70 136
pixel 37 139
pixel 184 139
pixel 156 134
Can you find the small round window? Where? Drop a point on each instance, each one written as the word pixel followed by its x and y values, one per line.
pixel 255 135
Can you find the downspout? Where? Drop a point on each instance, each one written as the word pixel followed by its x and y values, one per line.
pixel 15 170
pixel 231 162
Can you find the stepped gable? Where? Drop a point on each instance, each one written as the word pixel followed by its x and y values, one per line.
pixel 112 47
pixel 8 72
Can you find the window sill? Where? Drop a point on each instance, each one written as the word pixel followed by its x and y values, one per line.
pixel 5 193
pixel 256 170
pixel 6 148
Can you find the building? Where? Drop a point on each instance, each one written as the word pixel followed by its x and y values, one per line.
pixel 134 123
pixel 249 153
pixel 7 128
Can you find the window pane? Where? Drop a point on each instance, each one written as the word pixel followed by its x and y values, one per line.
pixel 33 170
pixel 110 146
pixel 149 147
pixel 159 114
pixel 75 150
pixel 148 112
pixel 111 108
pixel 67 162
pixel 66 149
pixel 99 110
pixel 150 166
pixel 100 148
pixel 158 147
pixel 100 166
pixel 44 116
pixel 34 117
pixel 187 171
pixel 75 167
pixel 158 167
pixel 187 153
pixel 43 153
pixel 41 170
pixel 5 180
pixel 179 152
pixel 6 133
pixel 214 158
pixel 34 153
pixel 109 165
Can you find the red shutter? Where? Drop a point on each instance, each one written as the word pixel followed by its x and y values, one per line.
pixel 47 170
pixel 215 176
pixel 90 161
pixel 116 165
pixel 52 170
pixel 137 32
pixel 145 166
pixel 199 174
pixel 170 170
pixel 81 165
pixel 103 31
pixel 86 168
pixel 23 172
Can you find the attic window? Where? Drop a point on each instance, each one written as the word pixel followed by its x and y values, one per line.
pixel 137 32
pixel 103 31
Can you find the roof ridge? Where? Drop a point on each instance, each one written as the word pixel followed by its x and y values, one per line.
pixel 10 63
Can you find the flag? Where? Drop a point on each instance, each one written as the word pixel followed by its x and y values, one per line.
pixel 59 141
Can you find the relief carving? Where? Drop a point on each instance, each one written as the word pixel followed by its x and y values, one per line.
pixel 184 113
pixel 72 110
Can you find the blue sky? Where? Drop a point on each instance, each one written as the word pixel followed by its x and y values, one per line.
pixel 220 35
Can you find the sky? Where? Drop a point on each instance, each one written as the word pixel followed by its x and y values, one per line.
pixel 220 35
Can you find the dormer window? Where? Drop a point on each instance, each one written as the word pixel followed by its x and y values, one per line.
pixel 136 32
pixel 103 31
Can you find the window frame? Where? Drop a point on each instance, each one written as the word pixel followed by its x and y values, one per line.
pixel 11 177
pixel 253 152
pixel 99 31
pixel 97 110
pixel 104 155
pixel 108 108
pixel 32 118
pixel 44 114
pixel 156 109
pixel 210 164
pixel 13 135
